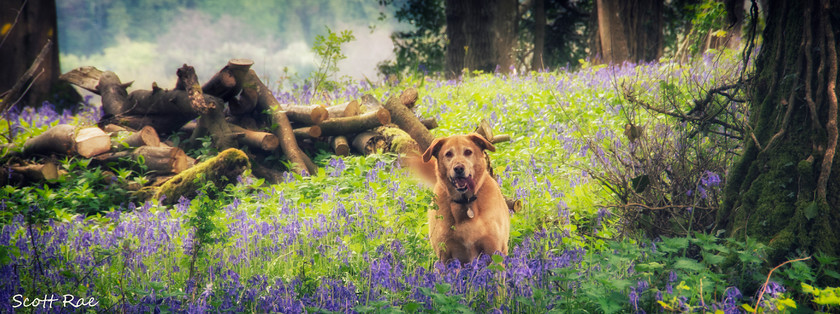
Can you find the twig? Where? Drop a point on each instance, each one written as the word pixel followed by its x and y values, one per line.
pixel 13 23
pixel 764 286
pixel 653 207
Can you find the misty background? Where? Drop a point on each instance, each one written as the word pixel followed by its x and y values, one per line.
pixel 146 41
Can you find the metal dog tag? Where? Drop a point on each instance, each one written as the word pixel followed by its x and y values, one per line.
pixel 470 212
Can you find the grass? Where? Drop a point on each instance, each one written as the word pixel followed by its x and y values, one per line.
pixel 353 237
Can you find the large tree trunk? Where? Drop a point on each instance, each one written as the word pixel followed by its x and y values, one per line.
pixel 31 25
pixel 785 189
pixel 481 35
pixel 539 35
pixel 627 31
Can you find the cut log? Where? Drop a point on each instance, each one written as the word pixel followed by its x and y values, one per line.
pixel 160 159
pixel 408 97
pixel 340 145
pixel 227 83
pixel 429 123
pixel 213 122
pixel 513 205
pixel 306 115
pixel 114 96
pixel 56 140
pixel 92 141
pixel 355 124
pixel 256 139
pixel 253 87
pixel 370 142
pixel 37 172
pixel 486 131
pixel 221 170
pixel 113 128
pixel 164 110
pixel 259 170
pixel 349 109
pixel 87 77
pixel 164 124
pixel 307 133
pixel 147 136
pixel 406 120
pixel 500 138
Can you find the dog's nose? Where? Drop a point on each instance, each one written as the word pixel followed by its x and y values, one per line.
pixel 459 170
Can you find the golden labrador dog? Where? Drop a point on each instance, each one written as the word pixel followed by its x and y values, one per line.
pixel 471 216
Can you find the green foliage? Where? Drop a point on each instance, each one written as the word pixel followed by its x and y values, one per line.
pixel 422 48
pixel 328 49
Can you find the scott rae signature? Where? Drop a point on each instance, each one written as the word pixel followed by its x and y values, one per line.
pixel 48 301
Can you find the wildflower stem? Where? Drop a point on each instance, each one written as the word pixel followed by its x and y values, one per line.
pixel 764 286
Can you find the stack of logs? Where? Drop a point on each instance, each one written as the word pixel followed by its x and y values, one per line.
pixel 234 109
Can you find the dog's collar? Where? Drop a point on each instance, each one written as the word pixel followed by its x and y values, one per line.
pixel 464 200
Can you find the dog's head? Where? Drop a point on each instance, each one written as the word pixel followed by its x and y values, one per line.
pixel 460 160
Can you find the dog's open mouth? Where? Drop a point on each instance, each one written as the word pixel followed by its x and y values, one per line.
pixel 462 184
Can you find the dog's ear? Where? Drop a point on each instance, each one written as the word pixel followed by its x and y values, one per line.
pixel 433 149
pixel 481 142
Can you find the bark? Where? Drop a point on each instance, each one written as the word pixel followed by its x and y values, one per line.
pixel 253 87
pixel 213 123
pixel 56 140
pixel 188 81
pixel 28 26
pixel 221 170
pixel 355 124
pixel 627 31
pixel 340 145
pixel 87 77
pixel 486 131
pixel 91 142
pixel 368 143
pixel 481 35
pixel 539 35
pixel 256 139
pixel 406 120
pixel 773 193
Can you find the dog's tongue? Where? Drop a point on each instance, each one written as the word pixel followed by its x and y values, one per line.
pixel 461 183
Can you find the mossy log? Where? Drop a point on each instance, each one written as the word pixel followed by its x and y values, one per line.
pixel 55 140
pixel 221 170
pixel 306 115
pixel 398 140
pixel 355 124
pixel 406 120
pixel 253 87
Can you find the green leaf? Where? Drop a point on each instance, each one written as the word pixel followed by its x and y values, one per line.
pixel 811 210
pixel 688 264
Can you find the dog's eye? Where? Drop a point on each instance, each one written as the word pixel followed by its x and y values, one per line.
pixel 467 152
pixel 449 154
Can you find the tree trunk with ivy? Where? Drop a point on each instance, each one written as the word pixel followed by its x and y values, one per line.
pixel 785 190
